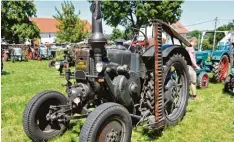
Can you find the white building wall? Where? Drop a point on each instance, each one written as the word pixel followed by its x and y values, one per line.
pixel 47 37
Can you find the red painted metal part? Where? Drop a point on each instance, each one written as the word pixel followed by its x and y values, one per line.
pixel 141 43
pixel 223 71
pixel 205 81
pixel 30 55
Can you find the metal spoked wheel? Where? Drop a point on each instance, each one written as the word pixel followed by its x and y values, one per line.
pixel 175 89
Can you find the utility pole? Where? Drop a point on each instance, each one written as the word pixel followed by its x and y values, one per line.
pixel 216 20
pixel 199 43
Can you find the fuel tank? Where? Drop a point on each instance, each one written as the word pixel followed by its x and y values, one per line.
pixel 82 58
pixel 121 55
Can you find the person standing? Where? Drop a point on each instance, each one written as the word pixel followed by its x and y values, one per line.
pixel 193 67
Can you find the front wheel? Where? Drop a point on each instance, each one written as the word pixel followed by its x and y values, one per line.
pixel 203 80
pixel 109 122
pixel 35 123
pixel 176 89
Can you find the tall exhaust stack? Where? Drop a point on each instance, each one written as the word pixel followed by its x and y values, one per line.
pixel 97 38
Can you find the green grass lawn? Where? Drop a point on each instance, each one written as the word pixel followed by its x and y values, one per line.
pixel 210 118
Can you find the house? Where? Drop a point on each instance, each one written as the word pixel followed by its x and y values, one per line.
pixel 48 28
pixel 178 27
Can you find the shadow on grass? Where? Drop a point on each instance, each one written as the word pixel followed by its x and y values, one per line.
pixel 152 134
pixel 229 93
pixel 149 133
pixel 72 126
pixel 4 73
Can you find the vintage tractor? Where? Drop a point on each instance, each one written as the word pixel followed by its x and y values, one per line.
pixel 19 54
pixel 151 88
pixel 202 75
pixel 6 51
pixel 215 60
pixel 54 46
pixel 64 58
pixel 44 52
pixel 229 82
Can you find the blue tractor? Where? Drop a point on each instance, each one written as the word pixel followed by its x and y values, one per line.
pixel 229 82
pixel 215 61
pixel 44 52
pixel 18 54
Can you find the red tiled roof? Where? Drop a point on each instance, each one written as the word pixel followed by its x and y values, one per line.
pixel 178 27
pixel 48 25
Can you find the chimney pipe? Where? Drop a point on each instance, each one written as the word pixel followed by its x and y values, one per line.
pixel 97 38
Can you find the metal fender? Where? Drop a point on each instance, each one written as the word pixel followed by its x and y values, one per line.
pixel 177 49
pixel 218 54
pixel 168 50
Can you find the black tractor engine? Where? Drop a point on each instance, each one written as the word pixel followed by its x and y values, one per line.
pixel 117 84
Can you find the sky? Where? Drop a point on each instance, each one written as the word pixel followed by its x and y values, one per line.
pixel 193 12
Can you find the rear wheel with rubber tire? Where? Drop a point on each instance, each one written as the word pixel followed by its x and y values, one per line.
pixel 108 122
pixel 220 69
pixel 226 85
pixel 176 89
pixel 35 123
pixel 203 80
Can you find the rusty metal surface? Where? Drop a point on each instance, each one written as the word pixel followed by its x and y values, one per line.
pixel 167 28
pixel 158 75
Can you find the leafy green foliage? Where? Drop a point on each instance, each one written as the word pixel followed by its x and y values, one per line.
pixel 116 34
pixel 138 13
pixel 206 44
pixel 15 24
pixel 71 28
pixel 219 36
pixel 196 34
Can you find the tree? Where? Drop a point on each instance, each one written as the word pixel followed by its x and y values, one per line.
pixel 15 24
pixel 206 45
pixel 71 28
pixel 116 34
pixel 195 33
pixel 138 13
pixel 219 36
